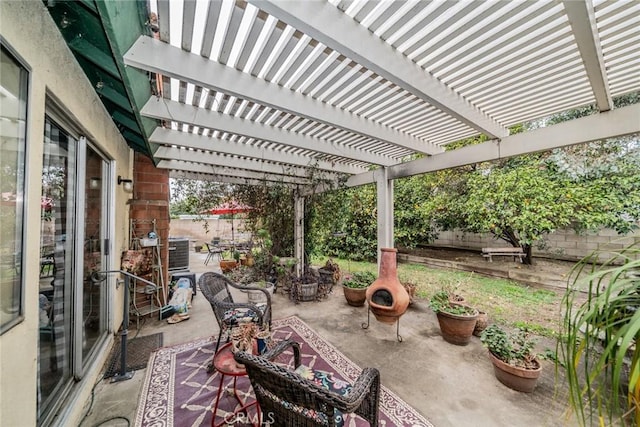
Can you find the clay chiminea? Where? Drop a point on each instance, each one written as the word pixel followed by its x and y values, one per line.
pixel 387 298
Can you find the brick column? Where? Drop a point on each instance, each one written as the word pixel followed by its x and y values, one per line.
pixel 151 201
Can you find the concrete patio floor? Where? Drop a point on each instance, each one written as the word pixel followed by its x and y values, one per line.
pixel 449 385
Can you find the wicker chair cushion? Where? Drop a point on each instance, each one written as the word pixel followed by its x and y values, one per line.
pixel 236 315
pixel 323 379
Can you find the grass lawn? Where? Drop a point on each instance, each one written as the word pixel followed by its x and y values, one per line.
pixel 505 301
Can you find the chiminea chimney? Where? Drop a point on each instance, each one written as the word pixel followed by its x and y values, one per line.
pixel 386 297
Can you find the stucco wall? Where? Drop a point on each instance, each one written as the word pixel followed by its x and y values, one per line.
pixel 29 32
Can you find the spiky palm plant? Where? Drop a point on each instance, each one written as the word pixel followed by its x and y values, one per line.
pixel 598 347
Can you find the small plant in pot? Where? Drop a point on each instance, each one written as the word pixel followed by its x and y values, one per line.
pixel 230 260
pixel 329 276
pixel 515 363
pixel 257 296
pixel 355 287
pixel 457 321
pixel 304 288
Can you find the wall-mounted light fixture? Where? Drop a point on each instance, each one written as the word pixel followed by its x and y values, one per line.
pixel 127 184
pixel 94 183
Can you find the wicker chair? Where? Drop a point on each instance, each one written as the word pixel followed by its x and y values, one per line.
pixel 286 398
pixel 228 313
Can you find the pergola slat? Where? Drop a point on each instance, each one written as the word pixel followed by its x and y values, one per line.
pixel 155 56
pixel 332 28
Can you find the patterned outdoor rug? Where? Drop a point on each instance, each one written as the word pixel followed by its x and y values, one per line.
pixel 178 391
pixel 138 351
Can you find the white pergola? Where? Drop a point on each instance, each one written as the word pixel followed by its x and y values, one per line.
pixel 264 90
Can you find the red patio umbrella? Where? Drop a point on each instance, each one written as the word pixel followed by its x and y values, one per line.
pixel 229 208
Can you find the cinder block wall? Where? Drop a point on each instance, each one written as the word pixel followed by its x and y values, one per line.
pixel 196 233
pixel 563 244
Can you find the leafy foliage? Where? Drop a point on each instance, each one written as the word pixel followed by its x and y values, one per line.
pixel 272 211
pixel 194 197
pixel 344 223
pixel 441 302
pixel 359 280
pixel 516 349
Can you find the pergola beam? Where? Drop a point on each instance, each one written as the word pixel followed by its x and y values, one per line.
pixel 165 136
pixel 165 109
pixel 583 23
pixel 608 124
pixel 203 176
pixel 221 160
pixel 325 23
pixel 161 58
pixel 243 174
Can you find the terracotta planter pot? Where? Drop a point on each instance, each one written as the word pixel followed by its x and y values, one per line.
pixel 411 290
pixel 226 265
pixel 519 379
pixel 455 328
pixel 355 296
pixel 481 323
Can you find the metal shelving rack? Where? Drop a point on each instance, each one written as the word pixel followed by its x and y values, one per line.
pixel 146 299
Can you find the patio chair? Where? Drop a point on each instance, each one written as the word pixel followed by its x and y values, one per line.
pixel 215 288
pixel 213 250
pixel 298 398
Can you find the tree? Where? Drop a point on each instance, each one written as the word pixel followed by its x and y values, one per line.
pixel 516 204
pixel 194 197
pixel 522 199
pixel 345 223
pixel 271 210
pixel 412 226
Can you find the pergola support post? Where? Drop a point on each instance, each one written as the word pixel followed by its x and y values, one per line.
pixel 384 187
pixel 298 233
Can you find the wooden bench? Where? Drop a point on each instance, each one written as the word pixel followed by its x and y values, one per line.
pixel 516 253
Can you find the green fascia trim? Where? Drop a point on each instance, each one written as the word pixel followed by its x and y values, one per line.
pixel 125 120
pixel 96 56
pixel 123 22
pixel 135 140
pixel 149 126
pixel 114 97
pixel 89 5
pixel 77 22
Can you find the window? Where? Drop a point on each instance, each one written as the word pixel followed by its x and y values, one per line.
pixel 13 114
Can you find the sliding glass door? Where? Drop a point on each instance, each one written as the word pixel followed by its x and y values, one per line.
pixel 73 309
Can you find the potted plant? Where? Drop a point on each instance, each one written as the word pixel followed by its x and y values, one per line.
pixel 515 364
pixel 355 287
pixel 229 261
pixel 411 289
pixel 247 260
pixel 258 296
pixel 304 288
pixel 285 272
pixel 456 321
pixel 329 277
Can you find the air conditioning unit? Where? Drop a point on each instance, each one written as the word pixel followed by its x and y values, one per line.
pixel 178 254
